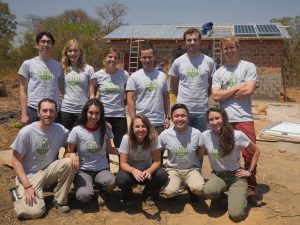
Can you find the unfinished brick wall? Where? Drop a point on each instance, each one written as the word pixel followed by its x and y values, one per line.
pixel 266 54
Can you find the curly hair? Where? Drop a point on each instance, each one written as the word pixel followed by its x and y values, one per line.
pixel 227 140
pixel 150 138
pixel 65 59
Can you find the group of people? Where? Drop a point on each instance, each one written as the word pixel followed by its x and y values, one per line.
pixel 92 113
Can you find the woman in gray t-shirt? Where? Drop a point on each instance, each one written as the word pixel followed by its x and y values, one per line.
pixel 111 82
pixel 77 82
pixel 222 144
pixel 88 143
pixel 140 161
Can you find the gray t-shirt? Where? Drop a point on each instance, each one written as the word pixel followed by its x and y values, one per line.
pixel 149 88
pixel 39 148
pixel 139 158
pixel 112 91
pixel 181 147
pixel 211 142
pixel 92 156
pixel 76 89
pixel 193 75
pixel 43 78
pixel 238 110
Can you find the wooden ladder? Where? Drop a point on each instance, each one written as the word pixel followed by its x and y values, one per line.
pixel 217 51
pixel 134 56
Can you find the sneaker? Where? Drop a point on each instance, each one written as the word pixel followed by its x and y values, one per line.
pixel 254 200
pixel 102 198
pixel 149 202
pixel 61 208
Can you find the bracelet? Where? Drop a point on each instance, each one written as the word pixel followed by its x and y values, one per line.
pixel 30 186
pixel 250 170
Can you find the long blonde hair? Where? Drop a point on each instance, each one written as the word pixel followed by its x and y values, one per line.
pixel 65 60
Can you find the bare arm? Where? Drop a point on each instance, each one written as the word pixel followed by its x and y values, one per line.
pixel 201 152
pixel 70 153
pixel 61 86
pixel 167 109
pixel 93 88
pixel 111 150
pixel 23 100
pixel 174 85
pixel 29 192
pixel 220 95
pixel 246 173
pixel 131 103
pixel 246 89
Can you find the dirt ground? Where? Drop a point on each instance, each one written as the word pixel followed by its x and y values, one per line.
pixel 278 182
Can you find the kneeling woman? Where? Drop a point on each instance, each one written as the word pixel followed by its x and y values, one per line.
pixel 87 144
pixel 222 145
pixel 182 143
pixel 140 161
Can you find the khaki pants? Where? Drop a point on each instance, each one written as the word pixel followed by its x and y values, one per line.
pixel 60 172
pixel 220 182
pixel 180 179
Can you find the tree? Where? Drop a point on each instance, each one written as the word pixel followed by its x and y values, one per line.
pixel 291 61
pixel 111 15
pixel 72 24
pixel 8 27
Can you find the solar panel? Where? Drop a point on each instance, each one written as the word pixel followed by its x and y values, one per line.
pixel 244 30
pixel 268 30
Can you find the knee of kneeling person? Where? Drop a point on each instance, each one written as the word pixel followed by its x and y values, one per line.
pixel 83 196
pixel 169 192
pixel 27 212
pixel 210 193
pixel 237 214
pixel 197 190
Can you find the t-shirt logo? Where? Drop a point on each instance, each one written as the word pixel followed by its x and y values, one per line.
pixel 152 86
pixel 216 154
pixel 139 157
pixel 180 151
pixel 232 81
pixel 111 87
pixel 42 146
pixel 192 72
pixel 45 75
pixel 93 147
pixel 73 79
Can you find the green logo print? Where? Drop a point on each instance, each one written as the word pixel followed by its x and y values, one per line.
pixel 216 154
pixel 180 151
pixel 93 147
pixel 45 75
pixel 73 80
pixel 192 72
pixel 111 87
pixel 42 146
pixel 232 81
pixel 152 86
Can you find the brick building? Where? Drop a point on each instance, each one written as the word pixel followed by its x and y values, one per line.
pixel 261 44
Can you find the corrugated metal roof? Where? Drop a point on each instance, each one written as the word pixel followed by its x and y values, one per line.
pixel 175 32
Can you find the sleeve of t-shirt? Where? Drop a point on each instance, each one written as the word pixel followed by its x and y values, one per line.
pixel 131 85
pixel 242 139
pixel 61 75
pixel 165 87
pixel 174 69
pixel 73 137
pixel 90 72
pixel 160 140
pixel 66 134
pixel 21 141
pixel 155 146
pixel 216 83
pixel 24 70
pixel 212 68
pixel 251 72
pixel 201 140
pixel 124 147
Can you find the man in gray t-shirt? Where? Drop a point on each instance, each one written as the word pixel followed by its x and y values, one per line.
pixel 191 79
pixel 147 91
pixel 35 152
pixel 41 77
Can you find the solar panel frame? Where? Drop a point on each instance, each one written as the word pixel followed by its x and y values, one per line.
pixel 244 30
pixel 268 30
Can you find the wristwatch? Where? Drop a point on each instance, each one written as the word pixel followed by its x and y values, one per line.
pixel 250 170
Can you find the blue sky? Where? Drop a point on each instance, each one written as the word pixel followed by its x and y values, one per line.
pixel 169 11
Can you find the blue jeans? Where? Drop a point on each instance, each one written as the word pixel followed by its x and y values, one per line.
pixel 198 121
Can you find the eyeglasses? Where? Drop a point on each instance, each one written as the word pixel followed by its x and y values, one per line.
pixel 45 42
